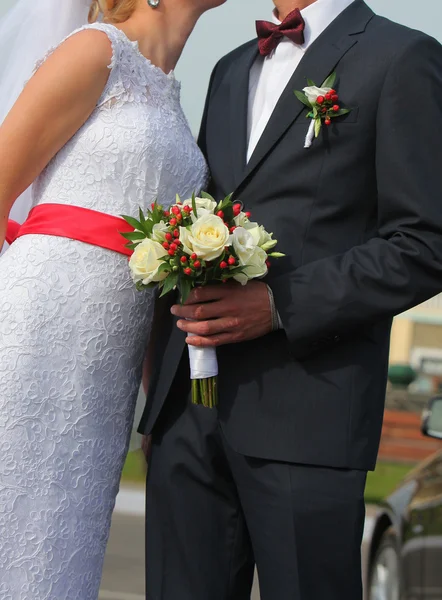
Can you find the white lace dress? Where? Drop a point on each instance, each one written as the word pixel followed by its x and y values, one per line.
pixel 72 336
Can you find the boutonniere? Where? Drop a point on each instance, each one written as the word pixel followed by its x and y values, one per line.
pixel 323 105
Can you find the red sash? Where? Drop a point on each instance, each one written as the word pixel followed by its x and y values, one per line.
pixel 76 223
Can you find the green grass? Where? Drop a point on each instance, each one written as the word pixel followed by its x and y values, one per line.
pixel 384 480
pixel 379 484
pixel 134 471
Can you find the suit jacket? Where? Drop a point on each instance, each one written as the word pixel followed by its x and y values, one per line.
pixel 359 217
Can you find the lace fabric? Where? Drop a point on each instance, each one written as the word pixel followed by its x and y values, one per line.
pixel 73 333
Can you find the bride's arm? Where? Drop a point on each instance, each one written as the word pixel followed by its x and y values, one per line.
pixel 55 103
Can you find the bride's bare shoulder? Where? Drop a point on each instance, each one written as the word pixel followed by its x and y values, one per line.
pixel 88 50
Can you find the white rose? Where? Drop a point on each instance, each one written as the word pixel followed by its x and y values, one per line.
pixel 207 237
pixel 205 204
pixel 145 262
pixel 312 92
pixel 261 237
pixel 241 219
pixel 250 256
pixel 159 232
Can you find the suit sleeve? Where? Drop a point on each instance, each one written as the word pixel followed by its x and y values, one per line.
pixel 324 301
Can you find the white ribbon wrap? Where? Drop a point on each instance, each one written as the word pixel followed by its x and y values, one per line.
pixel 203 362
pixel 310 134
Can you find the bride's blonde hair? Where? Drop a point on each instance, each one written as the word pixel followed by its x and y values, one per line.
pixel 114 11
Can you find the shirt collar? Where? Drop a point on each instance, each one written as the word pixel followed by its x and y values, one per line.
pixel 318 17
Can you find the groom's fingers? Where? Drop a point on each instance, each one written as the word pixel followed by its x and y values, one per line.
pixel 209 293
pixel 209 328
pixel 200 312
pixel 212 341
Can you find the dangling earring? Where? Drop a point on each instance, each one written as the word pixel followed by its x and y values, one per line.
pixel 153 3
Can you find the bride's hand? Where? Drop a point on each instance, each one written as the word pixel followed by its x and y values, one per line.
pixel 146 446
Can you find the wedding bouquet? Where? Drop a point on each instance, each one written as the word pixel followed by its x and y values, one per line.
pixel 194 243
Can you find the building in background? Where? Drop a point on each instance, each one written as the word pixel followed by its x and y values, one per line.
pixel 416 340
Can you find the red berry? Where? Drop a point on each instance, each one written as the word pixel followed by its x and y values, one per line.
pixel 327 122
pixel 173 247
pixel 176 241
pixel 223 265
pixel 248 214
pixel 232 260
pixel 167 213
pixel 171 252
pixel 236 209
pixel 332 91
pixel 188 271
pixel 176 233
pixel 183 259
pixel 166 246
pixel 220 214
pixel 173 222
pixel 335 97
pixel 169 237
pixel 328 96
pixel 194 256
pixel 176 210
pixel 336 107
pixel 323 110
pixel 197 264
pixel 187 209
pixel 152 205
pixel 320 99
pixel 232 229
pixel 268 264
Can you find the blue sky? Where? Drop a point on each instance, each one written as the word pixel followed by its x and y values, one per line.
pixel 226 27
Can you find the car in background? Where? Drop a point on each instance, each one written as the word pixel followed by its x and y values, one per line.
pixel 405 549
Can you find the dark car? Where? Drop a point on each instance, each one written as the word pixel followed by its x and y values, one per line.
pixel 405 553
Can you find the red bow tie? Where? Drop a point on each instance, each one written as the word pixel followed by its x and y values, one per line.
pixel 270 34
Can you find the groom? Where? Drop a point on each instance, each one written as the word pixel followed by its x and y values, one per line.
pixel 276 475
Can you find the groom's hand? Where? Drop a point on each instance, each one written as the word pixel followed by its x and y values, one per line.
pixel 225 314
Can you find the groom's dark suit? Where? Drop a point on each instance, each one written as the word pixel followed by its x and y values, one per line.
pixel 359 216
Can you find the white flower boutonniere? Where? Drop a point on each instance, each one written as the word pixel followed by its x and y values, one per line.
pixel 323 105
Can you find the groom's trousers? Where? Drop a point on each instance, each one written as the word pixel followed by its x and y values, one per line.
pixel 212 514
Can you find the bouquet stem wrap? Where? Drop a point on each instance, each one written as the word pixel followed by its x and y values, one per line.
pixel 204 376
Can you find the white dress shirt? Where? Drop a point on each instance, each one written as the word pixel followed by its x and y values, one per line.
pixel 269 76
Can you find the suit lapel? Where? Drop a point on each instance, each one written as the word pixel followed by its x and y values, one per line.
pixel 318 62
pixel 239 108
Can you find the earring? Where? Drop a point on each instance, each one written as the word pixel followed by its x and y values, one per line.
pixel 153 3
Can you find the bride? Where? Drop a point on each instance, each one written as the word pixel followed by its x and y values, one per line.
pixel 99 131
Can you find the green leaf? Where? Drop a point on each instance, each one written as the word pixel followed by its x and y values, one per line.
pixel 131 246
pixel 133 222
pixel 318 125
pixel 169 283
pixel 134 235
pixel 195 212
pixel 330 81
pixel 303 98
pixel 164 268
pixel 341 112
pixel 310 82
pixel 142 217
pixel 185 286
